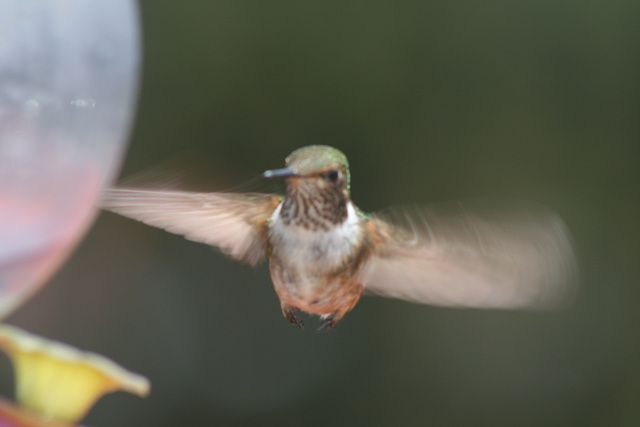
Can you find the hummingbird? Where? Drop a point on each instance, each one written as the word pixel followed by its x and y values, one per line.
pixel 324 253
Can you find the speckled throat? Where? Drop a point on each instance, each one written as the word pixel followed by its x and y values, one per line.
pixel 314 209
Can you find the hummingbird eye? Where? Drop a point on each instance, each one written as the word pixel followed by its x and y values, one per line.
pixel 332 175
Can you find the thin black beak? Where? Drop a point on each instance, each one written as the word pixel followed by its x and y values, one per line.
pixel 277 173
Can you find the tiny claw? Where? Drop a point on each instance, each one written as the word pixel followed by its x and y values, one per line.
pixel 292 316
pixel 329 322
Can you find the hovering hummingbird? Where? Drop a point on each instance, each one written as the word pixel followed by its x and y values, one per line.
pixel 324 252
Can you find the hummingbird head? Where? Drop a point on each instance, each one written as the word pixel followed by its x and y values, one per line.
pixel 319 166
pixel 319 174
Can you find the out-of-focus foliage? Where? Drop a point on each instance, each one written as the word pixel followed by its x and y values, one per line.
pixel 430 101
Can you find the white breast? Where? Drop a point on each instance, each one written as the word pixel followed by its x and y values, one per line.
pixel 308 254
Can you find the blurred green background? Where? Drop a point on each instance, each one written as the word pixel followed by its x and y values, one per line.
pixel 431 101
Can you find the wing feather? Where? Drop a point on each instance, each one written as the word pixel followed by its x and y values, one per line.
pixel 236 223
pixel 508 256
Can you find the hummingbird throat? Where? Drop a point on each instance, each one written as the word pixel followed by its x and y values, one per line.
pixel 312 208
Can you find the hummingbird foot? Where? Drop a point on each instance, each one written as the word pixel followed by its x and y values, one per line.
pixel 292 316
pixel 329 322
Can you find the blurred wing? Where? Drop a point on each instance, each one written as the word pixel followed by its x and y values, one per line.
pixel 236 223
pixel 510 256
